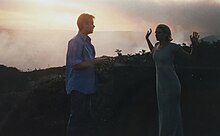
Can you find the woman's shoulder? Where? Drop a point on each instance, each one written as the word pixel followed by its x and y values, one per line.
pixel 175 46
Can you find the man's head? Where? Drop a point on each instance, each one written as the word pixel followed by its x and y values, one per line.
pixel 85 23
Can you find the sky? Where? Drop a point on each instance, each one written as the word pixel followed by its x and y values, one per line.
pixel 111 15
pixel 45 26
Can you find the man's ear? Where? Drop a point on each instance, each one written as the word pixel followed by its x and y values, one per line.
pixel 84 26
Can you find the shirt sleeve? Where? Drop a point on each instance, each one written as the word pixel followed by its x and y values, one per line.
pixel 75 51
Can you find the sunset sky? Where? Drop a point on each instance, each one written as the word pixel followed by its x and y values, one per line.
pixel 111 15
pixel 36 30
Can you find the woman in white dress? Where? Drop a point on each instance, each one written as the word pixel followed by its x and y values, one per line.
pixel 168 86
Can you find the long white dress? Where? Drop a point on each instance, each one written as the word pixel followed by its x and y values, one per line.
pixel 168 91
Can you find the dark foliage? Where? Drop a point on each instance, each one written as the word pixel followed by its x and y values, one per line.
pixel 35 103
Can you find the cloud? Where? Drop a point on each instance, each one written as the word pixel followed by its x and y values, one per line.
pixel 199 16
pixel 30 49
pixel 137 15
pixel 33 49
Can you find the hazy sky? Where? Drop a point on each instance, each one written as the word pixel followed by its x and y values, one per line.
pixel 28 39
pixel 131 15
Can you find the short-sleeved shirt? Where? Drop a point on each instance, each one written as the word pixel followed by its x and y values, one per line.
pixel 80 49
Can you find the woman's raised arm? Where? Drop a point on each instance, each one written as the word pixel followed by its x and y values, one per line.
pixel 150 45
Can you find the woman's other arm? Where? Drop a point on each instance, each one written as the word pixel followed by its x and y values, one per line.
pixel 194 40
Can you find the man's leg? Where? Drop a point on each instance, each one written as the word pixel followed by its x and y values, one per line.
pixel 77 125
pixel 92 122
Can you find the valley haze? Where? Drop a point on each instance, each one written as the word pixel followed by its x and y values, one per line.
pixel 38 49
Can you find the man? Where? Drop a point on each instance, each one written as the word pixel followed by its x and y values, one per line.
pixel 80 77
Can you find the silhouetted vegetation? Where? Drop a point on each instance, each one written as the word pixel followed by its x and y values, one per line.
pixel 35 103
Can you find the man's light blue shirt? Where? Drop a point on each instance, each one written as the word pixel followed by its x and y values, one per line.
pixel 80 49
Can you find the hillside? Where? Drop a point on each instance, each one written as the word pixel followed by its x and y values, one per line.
pixel 35 103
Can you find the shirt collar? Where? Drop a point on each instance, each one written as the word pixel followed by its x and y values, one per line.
pixel 84 37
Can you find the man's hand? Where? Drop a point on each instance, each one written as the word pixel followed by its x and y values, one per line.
pixel 102 59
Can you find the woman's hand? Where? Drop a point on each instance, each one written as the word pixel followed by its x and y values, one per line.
pixel 148 40
pixel 148 33
pixel 195 41
pixel 194 38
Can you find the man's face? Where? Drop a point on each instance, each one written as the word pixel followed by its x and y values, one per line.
pixel 89 27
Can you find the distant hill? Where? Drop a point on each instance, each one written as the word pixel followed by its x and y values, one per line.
pixel 11 79
pixel 211 38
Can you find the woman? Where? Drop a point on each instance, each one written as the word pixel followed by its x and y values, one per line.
pixel 167 82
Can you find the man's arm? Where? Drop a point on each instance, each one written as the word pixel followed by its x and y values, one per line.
pixel 87 64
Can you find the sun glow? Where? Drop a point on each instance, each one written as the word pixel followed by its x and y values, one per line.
pixel 62 14
pixel 217 1
pixel 56 14
pixel 44 2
